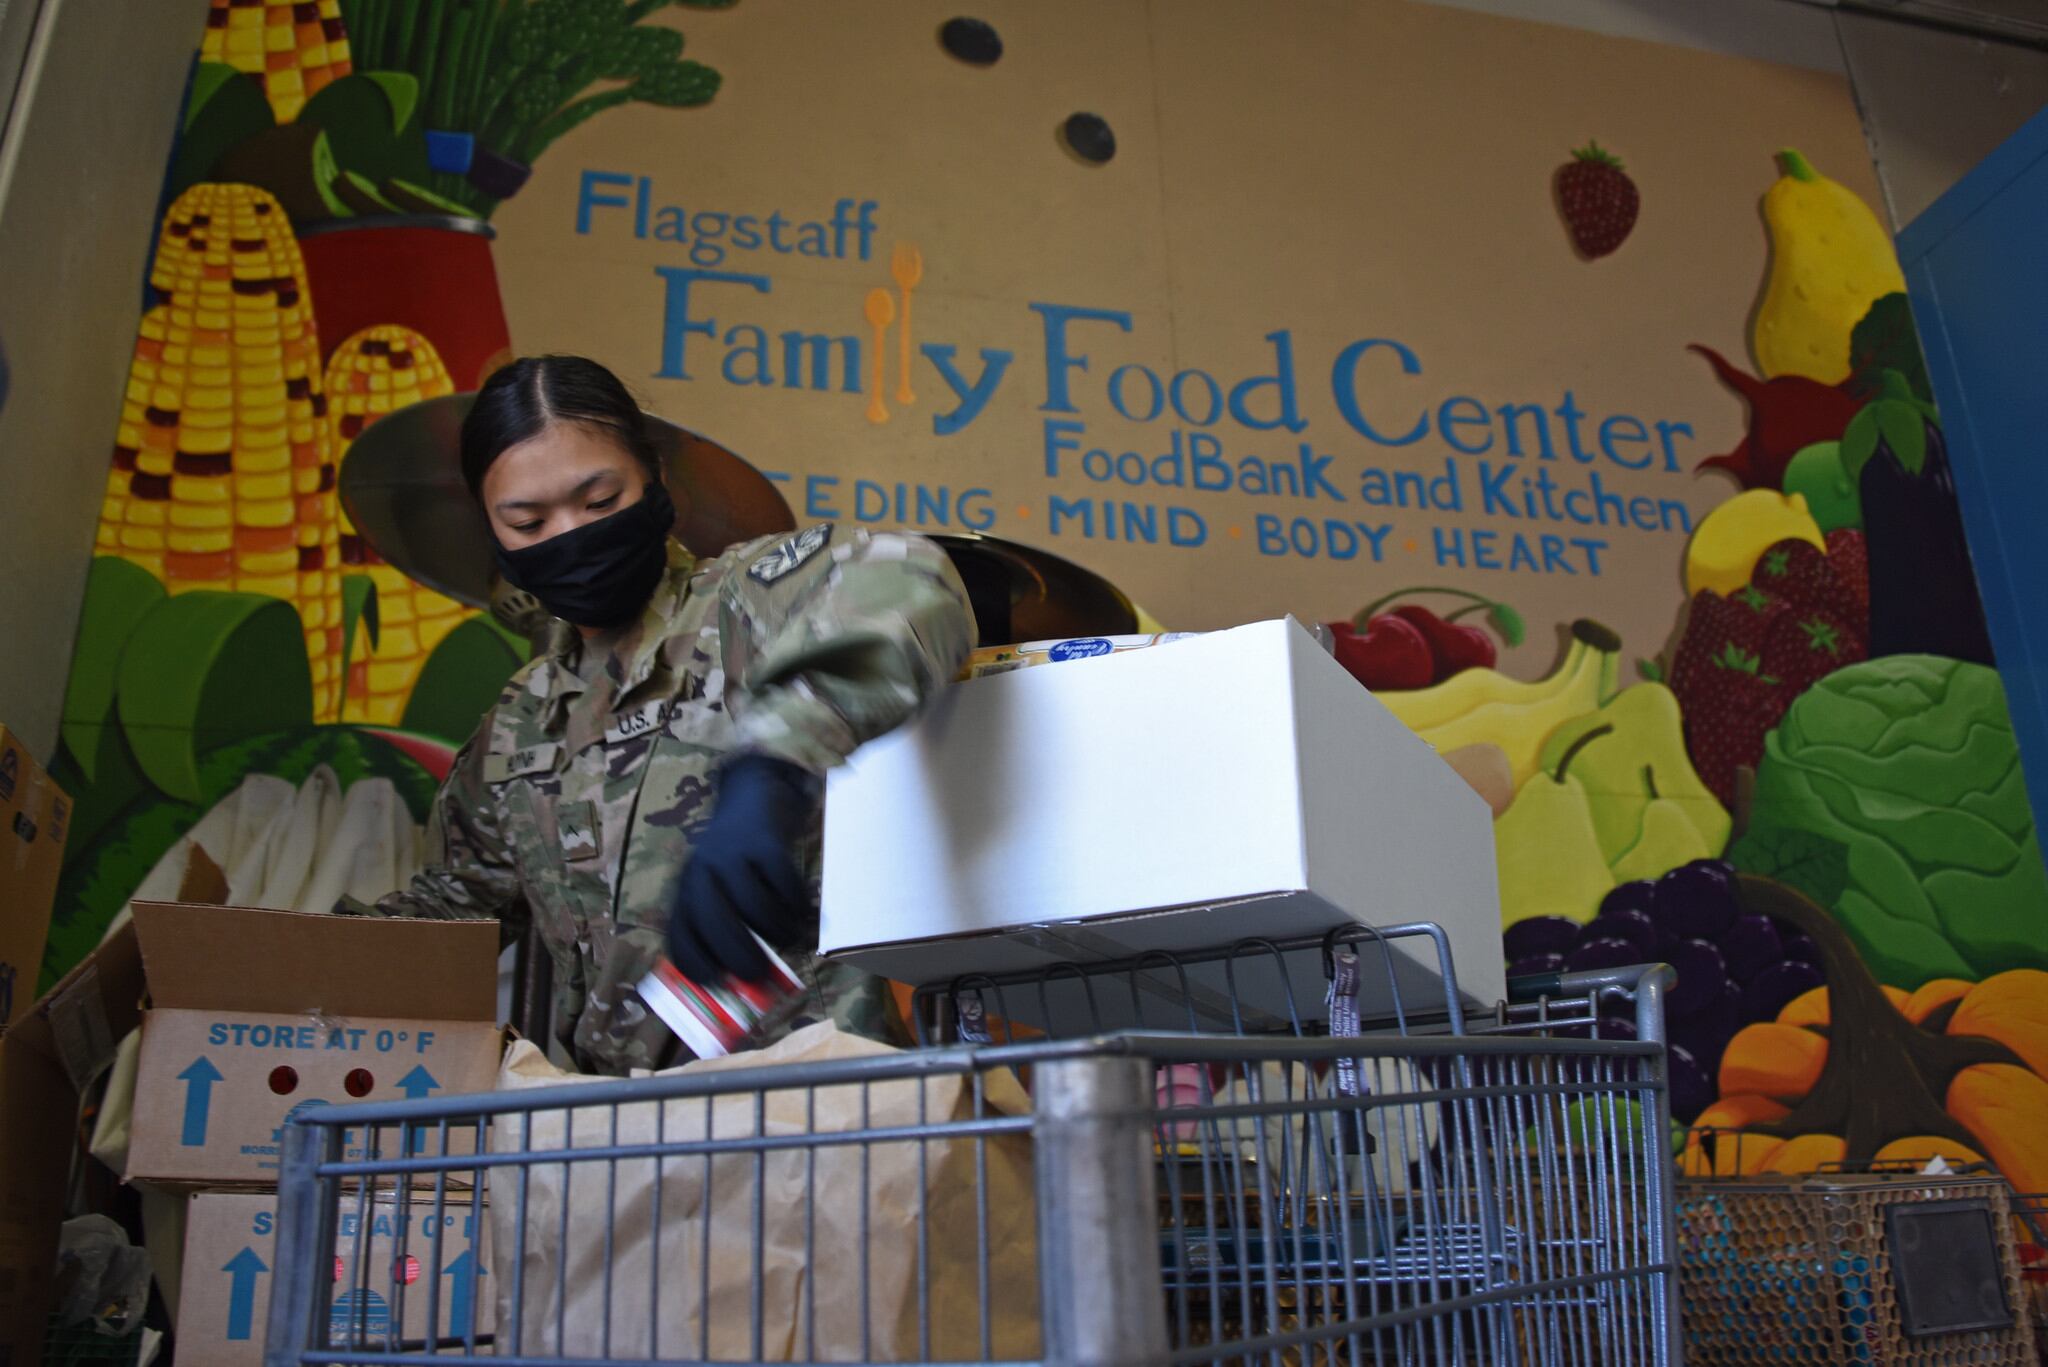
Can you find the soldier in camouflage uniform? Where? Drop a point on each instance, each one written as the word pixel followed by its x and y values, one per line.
pixel 593 782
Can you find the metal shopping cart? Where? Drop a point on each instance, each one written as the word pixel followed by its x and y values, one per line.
pixel 1891 1262
pixel 1172 1159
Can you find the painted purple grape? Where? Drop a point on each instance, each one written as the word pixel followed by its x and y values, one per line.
pixel 1536 964
pixel 1701 974
pixel 1702 1042
pixel 1718 871
pixel 1696 901
pixel 1774 988
pixel 1800 947
pixel 1751 945
pixel 1640 895
pixel 1539 935
pixel 1626 924
pixel 1604 952
pixel 1741 1008
pixel 1692 1090
pixel 1706 1032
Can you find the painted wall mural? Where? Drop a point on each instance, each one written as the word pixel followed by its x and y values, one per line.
pixel 1614 461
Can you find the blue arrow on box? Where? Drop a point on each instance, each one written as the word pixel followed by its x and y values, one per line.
pixel 462 1295
pixel 243 1269
pixel 418 1082
pixel 415 1085
pixel 198 1078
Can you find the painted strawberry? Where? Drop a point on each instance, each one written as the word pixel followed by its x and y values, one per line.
pixel 1850 559
pixel 1712 622
pixel 1804 646
pixel 1598 200
pixel 1797 572
pixel 1726 720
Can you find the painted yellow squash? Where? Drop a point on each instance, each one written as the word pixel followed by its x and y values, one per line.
pixel 1830 261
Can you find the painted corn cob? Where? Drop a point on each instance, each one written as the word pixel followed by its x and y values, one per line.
pixel 221 475
pixel 294 49
pixel 376 371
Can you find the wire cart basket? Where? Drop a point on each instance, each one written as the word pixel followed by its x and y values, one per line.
pixel 1199 1158
pixel 1880 1264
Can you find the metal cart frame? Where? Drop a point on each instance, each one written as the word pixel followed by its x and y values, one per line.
pixel 1432 1195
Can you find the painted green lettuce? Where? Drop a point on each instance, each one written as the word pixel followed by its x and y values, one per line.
pixel 1892 793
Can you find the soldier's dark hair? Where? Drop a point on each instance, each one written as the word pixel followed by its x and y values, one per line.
pixel 525 398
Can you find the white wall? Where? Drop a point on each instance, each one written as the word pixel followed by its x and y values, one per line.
pixel 82 160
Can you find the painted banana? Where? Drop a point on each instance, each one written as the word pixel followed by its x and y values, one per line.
pixel 1468 689
pixel 1484 705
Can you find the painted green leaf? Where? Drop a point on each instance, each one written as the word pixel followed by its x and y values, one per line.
pixel 417 199
pixel 207 80
pixel 401 88
pixel 115 781
pixel 358 605
pixel 370 123
pixel 1905 432
pixel 360 195
pixel 234 111
pixel 1897 386
pixel 325 173
pixel 202 669
pixel 1650 670
pixel 1508 623
pixel 118 595
pixel 461 679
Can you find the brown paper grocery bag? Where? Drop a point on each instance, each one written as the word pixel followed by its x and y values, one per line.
pixel 621 1293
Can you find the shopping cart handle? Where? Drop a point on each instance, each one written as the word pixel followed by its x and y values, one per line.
pixel 1535 985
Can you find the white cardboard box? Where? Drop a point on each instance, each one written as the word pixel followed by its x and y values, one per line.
pixel 1236 784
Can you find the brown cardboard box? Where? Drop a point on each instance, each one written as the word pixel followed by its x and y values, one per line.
pixel 34 814
pixel 229 1256
pixel 255 1015
pixel 45 1059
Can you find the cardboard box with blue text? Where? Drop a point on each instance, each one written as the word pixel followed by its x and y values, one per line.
pixel 393 1278
pixel 257 1015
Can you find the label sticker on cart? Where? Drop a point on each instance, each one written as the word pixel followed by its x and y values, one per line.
pixel 1343 1005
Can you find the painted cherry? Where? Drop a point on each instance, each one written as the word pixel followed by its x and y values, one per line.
pixel 1388 654
pixel 1455 645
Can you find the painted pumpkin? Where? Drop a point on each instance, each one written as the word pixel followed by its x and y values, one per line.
pixel 1965 1068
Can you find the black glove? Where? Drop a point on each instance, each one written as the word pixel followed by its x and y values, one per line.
pixel 743 873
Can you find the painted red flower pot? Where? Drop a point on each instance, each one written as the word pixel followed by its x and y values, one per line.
pixel 432 274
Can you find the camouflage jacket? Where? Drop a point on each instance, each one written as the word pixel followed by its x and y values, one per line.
pixel 580 794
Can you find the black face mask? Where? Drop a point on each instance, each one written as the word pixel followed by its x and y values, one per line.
pixel 602 573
